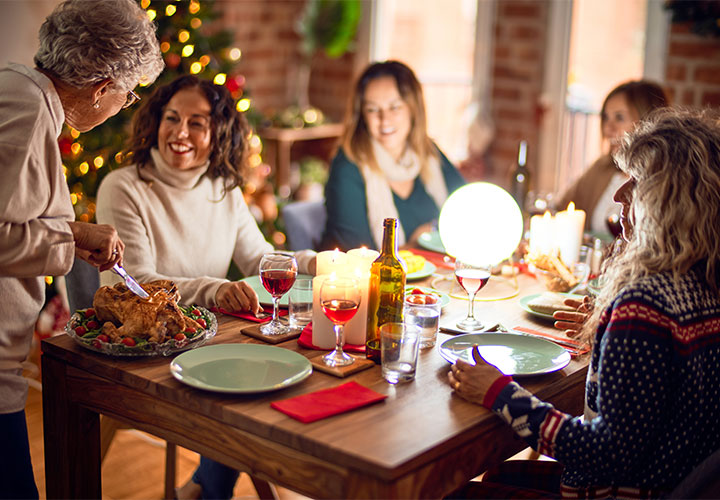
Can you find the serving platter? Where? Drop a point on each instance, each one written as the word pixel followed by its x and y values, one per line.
pixel 84 328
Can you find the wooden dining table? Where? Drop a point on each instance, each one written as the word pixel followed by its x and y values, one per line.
pixel 422 441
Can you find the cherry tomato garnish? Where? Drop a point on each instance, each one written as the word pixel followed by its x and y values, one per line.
pixel 196 312
pixel 80 330
pixel 89 312
pixel 93 325
pixel 180 336
pixel 190 330
pixel 128 341
pixel 103 337
pixel 201 322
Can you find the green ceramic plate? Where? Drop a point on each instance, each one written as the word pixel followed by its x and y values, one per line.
pixel 512 354
pixel 524 304
pixel 444 297
pixel 263 295
pixel 240 368
pixel 426 271
pixel 431 241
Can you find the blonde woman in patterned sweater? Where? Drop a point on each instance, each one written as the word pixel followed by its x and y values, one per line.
pixel 654 375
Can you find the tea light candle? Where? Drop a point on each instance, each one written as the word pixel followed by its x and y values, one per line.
pixel 569 226
pixel 542 233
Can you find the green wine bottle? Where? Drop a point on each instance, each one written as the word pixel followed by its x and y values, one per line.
pixel 387 290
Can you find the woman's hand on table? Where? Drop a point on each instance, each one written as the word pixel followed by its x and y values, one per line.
pixel 97 244
pixel 472 382
pixel 237 296
pixel 572 322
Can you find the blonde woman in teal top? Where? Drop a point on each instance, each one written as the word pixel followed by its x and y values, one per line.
pixel 387 165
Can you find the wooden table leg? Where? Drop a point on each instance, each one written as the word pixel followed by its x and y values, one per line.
pixel 72 438
pixel 170 469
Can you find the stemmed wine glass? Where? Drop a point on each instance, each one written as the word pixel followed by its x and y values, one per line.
pixel 340 299
pixel 277 273
pixel 472 279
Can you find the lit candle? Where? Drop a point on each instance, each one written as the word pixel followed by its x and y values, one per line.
pixel 331 261
pixel 569 225
pixel 541 234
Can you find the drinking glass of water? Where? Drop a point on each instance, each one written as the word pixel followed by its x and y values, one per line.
pixel 423 311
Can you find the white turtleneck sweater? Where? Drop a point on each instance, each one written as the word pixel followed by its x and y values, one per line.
pixel 179 227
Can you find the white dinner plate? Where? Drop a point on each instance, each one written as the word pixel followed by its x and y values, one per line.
pixel 511 353
pixel 263 295
pixel 524 304
pixel 240 368
pixel 426 271
pixel 431 241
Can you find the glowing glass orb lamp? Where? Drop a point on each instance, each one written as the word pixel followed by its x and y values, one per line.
pixel 480 224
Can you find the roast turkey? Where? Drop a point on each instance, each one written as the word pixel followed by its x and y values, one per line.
pixel 157 318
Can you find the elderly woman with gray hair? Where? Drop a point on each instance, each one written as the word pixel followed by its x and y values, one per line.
pixel 92 54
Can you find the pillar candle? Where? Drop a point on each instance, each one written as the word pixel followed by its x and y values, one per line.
pixel 360 259
pixel 323 335
pixel 569 226
pixel 541 233
pixel 331 261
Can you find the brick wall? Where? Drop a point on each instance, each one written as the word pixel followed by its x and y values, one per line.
pixel 693 68
pixel 517 74
pixel 265 33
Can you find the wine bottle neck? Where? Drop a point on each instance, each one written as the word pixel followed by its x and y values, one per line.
pixel 388 244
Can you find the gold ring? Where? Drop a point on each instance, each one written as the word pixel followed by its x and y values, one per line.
pixel 457 385
pixel 115 252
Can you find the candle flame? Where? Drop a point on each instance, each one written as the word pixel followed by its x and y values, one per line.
pixel 571 207
pixel 547 215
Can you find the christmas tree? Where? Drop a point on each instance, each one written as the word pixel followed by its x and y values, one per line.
pixel 188 47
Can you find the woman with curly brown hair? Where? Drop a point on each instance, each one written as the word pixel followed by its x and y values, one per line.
pixel 651 398
pixel 180 209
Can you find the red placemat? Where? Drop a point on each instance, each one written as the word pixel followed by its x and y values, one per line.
pixel 436 258
pixel 250 316
pixel 305 341
pixel 327 402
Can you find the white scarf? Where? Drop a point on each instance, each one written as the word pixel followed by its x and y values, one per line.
pixel 185 179
pixel 379 195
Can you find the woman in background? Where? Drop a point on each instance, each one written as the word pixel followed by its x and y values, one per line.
pixel 387 165
pixel 91 56
pixel 623 107
pixel 181 213
pixel 653 378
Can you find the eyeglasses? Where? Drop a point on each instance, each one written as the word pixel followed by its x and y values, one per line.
pixel 131 99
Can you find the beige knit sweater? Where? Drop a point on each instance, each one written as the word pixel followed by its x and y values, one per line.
pixel 179 226
pixel 35 238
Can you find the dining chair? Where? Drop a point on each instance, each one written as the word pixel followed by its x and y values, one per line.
pixel 304 224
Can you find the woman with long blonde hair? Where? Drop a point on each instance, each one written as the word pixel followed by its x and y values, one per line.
pixel 387 165
pixel 651 400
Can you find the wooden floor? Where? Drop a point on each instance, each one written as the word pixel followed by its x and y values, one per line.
pixel 134 467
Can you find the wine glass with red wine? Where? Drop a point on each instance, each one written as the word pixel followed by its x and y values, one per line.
pixel 340 299
pixel 277 273
pixel 472 279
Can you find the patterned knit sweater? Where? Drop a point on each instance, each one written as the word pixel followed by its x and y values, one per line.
pixel 652 400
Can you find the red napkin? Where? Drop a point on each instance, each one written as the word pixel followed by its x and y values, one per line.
pixel 327 402
pixel 305 340
pixel 250 316
pixel 436 258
